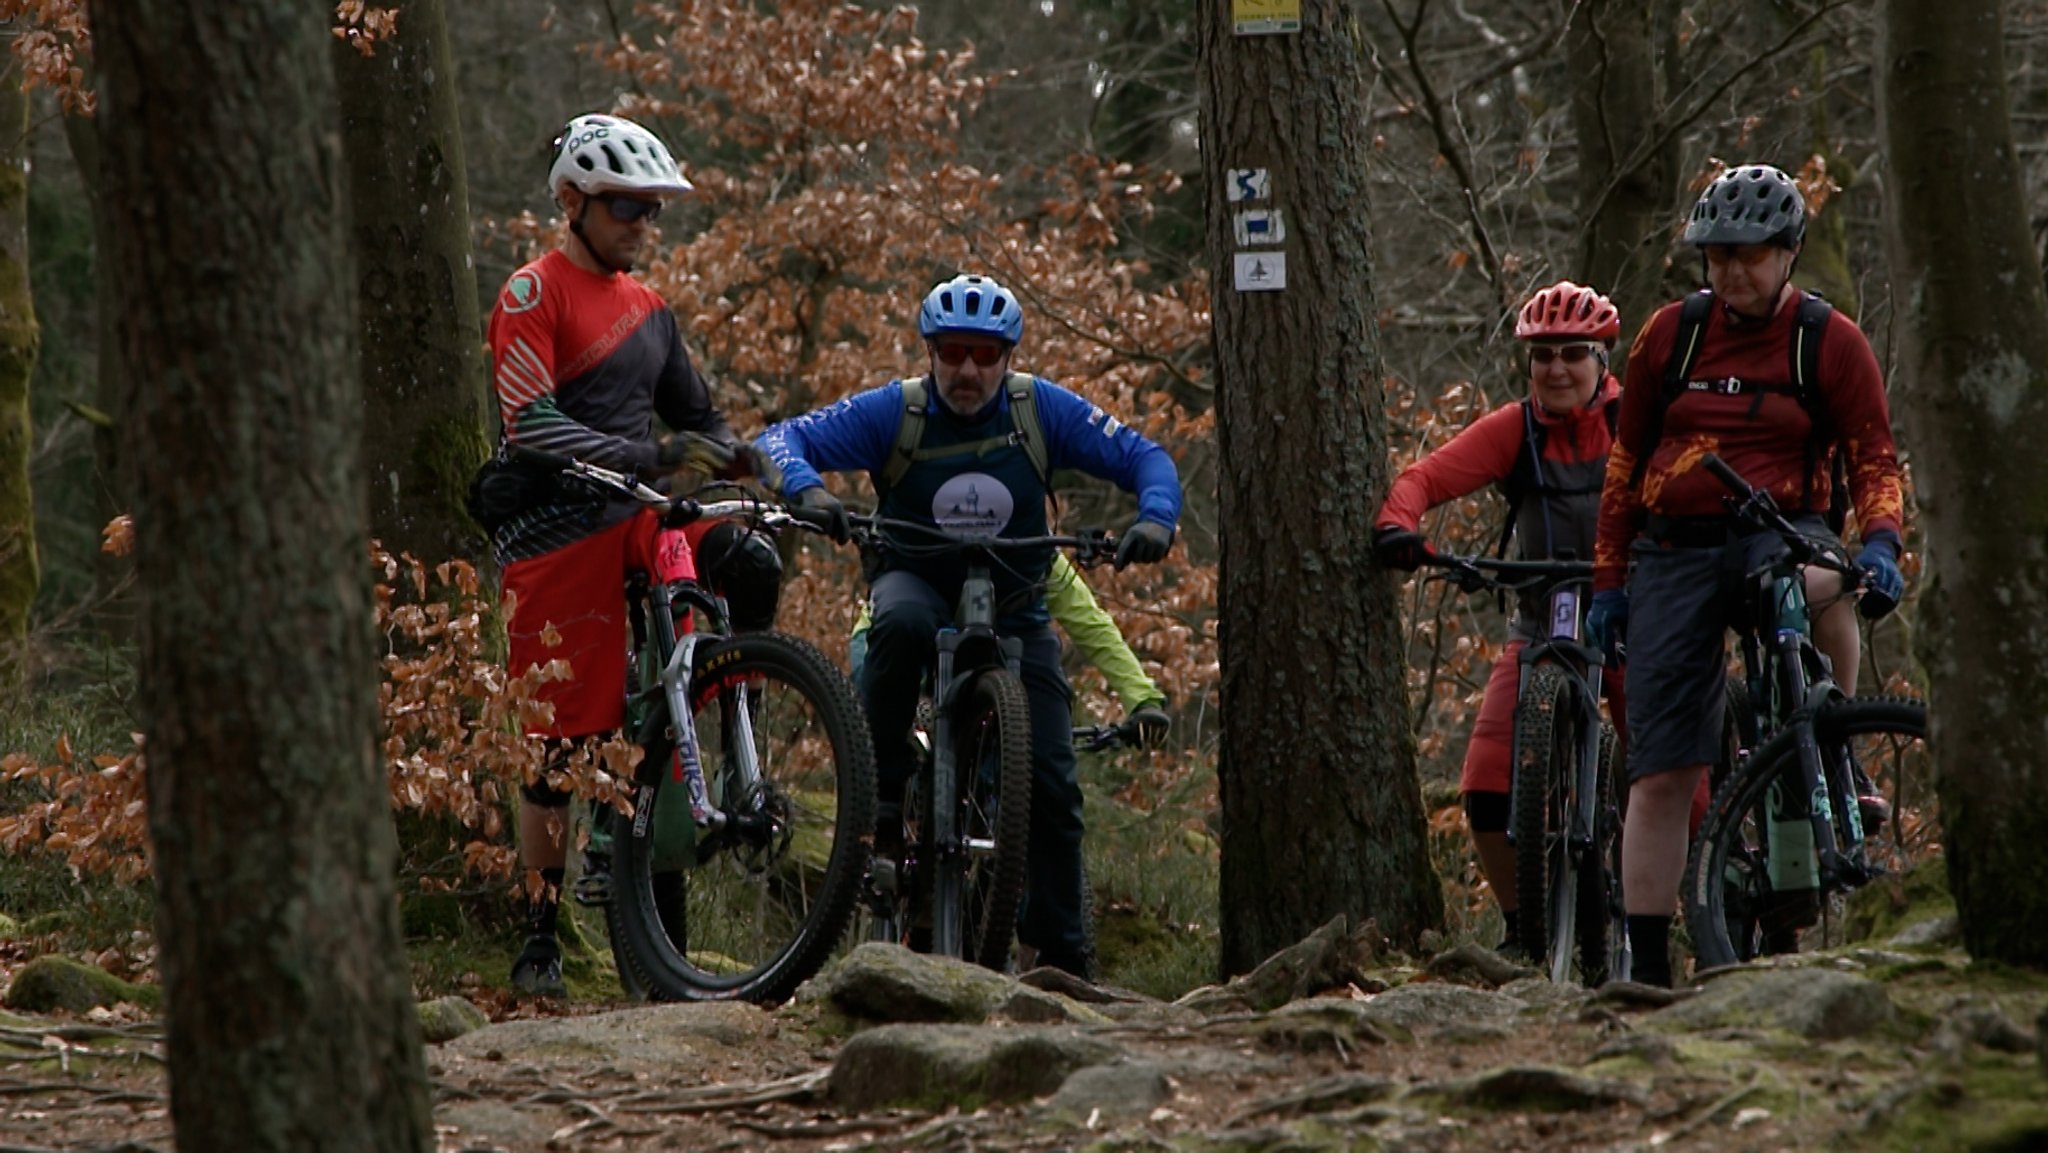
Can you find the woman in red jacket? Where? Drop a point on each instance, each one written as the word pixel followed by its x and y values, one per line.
pixel 1548 455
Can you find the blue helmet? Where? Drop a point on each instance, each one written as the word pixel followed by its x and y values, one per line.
pixel 971 304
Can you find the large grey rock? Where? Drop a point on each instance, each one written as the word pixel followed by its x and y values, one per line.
pixel 1028 1006
pixel 934 1067
pixel 655 1037
pixel 1421 1006
pixel 1942 930
pixel 446 1018
pixel 886 982
pixel 1818 1004
pixel 1119 1091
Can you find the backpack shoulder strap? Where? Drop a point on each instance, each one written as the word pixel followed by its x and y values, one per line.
pixel 1814 313
pixel 1685 352
pixel 1522 476
pixel 1806 333
pixel 909 431
pixel 1024 421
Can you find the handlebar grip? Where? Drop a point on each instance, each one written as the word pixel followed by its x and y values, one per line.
pixel 815 519
pixel 1725 474
pixel 538 458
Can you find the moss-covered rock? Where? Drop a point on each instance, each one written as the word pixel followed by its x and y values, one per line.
pixel 446 1018
pixel 53 983
pixel 1881 911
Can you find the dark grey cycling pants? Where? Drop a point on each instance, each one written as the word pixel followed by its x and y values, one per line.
pixel 907 614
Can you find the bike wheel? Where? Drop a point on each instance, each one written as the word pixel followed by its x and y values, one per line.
pixel 1602 924
pixel 976 893
pixel 1732 911
pixel 753 908
pixel 1546 746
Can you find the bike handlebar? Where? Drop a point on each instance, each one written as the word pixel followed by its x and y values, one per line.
pixel 1755 506
pixel 1474 573
pixel 1096 738
pixel 676 510
pixel 1089 548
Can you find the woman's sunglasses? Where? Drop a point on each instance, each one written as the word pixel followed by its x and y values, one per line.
pixel 984 355
pixel 1569 353
pixel 626 209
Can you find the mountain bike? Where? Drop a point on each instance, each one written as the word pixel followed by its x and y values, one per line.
pixel 956 884
pixel 1563 820
pixel 1785 833
pixel 738 870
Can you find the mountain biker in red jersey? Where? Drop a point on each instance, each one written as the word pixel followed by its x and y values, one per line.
pixel 583 358
pixel 1665 543
pixel 1548 455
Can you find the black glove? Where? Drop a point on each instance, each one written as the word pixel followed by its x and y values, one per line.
pixel 1145 542
pixel 696 452
pixel 1395 547
pixel 826 508
pixel 1151 722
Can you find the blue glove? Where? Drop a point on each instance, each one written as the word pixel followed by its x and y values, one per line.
pixel 1607 622
pixel 1882 583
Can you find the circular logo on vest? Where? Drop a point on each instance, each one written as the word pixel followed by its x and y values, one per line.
pixel 973 503
pixel 522 291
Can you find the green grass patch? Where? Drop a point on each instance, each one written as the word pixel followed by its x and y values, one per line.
pixel 1154 875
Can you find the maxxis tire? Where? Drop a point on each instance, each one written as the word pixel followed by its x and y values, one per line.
pixel 992 772
pixel 1720 855
pixel 1542 716
pixel 645 952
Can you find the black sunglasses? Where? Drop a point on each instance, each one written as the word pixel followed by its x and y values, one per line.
pixel 1571 353
pixel 984 355
pixel 627 209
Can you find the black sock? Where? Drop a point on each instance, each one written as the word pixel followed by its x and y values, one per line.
pixel 1513 920
pixel 1649 944
pixel 540 912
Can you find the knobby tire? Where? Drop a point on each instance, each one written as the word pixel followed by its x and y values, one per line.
pixel 1728 900
pixel 1544 743
pixel 992 775
pixel 758 918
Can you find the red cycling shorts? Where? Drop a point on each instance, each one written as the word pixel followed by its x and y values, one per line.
pixel 577 593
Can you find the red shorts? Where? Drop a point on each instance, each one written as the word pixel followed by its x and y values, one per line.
pixel 578 590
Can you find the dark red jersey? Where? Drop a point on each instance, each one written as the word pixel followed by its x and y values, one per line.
pixel 1767 436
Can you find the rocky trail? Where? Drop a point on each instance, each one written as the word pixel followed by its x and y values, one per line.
pixel 1329 1046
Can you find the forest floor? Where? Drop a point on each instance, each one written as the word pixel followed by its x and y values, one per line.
pixel 1332 1046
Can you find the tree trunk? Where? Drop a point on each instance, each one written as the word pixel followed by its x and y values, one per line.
pixel 1626 200
pixel 1322 812
pixel 1975 381
pixel 290 1018
pixel 422 342
pixel 20 574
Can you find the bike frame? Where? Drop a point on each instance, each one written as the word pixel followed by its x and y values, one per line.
pixel 1789 681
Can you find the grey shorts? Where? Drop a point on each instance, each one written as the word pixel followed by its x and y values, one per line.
pixel 1681 604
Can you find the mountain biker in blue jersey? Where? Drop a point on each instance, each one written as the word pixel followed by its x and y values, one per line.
pixel 971 470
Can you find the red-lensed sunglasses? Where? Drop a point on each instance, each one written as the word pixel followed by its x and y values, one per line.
pixel 984 355
pixel 1570 353
pixel 627 209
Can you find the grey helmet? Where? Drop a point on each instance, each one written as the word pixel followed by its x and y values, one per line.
pixel 1749 204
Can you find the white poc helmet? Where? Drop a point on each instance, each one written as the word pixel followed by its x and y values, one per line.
pixel 598 153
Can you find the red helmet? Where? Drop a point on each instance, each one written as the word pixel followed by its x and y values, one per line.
pixel 1567 309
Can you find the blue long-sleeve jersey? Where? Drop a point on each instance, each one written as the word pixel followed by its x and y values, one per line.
pixel 858 433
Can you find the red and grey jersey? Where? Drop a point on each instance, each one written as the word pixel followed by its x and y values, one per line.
pixel 581 364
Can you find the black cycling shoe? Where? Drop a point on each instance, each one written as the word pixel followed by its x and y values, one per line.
pixel 538 971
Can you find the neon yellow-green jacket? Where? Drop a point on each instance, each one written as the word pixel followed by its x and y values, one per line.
pixel 1074 606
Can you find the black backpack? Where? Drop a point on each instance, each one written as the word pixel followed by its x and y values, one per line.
pixel 1805 388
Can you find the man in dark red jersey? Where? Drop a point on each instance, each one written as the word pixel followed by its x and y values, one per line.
pixel 583 358
pixel 1663 531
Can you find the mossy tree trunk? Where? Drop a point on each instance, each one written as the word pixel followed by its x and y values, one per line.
pixel 1322 810
pixel 1628 182
pixel 20 573
pixel 423 364
pixel 290 1018
pixel 1974 377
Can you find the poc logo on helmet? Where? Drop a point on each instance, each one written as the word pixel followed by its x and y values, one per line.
pixel 594 134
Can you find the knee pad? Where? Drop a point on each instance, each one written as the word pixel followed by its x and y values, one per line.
pixel 1487 812
pixel 744 568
